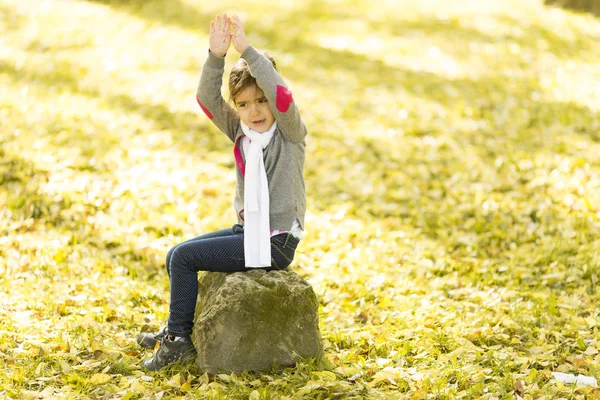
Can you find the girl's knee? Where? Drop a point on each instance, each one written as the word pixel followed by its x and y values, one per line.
pixel 179 259
pixel 283 248
pixel 168 259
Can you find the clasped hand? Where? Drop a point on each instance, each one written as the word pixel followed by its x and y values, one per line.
pixel 221 36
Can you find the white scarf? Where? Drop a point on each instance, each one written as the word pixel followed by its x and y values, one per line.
pixel 257 238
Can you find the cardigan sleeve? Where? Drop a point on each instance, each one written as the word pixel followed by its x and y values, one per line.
pixel 211 100
pixel 280 98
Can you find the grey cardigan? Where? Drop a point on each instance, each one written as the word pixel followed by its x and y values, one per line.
pixel 283 157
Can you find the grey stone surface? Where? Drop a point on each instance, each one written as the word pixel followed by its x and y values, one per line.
pixel 254 321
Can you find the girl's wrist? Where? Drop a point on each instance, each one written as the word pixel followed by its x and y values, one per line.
pixel 217 54
pixel 243 50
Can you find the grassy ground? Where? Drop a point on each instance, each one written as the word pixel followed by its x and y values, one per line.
pixel 453 190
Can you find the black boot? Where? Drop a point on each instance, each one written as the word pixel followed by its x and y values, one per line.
pixel 148 339
pixel 172 350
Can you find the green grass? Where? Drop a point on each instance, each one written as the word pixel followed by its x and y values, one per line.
pixel 452 182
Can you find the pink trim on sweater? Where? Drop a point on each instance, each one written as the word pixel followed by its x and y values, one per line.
pixel 208 113
pixel 284 99
pixel 239 161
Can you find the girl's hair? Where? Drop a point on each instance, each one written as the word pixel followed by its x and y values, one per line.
pixel 240 78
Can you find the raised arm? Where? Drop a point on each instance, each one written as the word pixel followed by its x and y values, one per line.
pixel 280 98
pixel 209 95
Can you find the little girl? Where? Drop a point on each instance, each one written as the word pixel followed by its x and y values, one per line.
pixel 270 200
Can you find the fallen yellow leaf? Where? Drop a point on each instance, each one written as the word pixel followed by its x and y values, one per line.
pixel 204 379
pixel 99 379
pixel 254 395
pixel 186 387
pixel 325 375
pixel 138 386
pixel 591 351
pixel 175 381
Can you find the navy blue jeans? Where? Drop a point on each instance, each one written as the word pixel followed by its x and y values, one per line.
pixel 220 251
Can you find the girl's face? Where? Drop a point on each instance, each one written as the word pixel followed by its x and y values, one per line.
pixel 253 108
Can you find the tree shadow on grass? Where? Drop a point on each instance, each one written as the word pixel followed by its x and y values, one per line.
pixel 171 12
pixel 163 119
pixel 286 32
pixel 317 66
pixel 457 38
pixel 586 6
pixel 20 180
pixel 20 183
pixel 483 96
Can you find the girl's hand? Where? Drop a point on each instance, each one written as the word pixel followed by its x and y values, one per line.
pixel 240 42
pixel 220 37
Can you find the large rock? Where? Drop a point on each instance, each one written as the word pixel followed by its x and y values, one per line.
pixel 254 321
